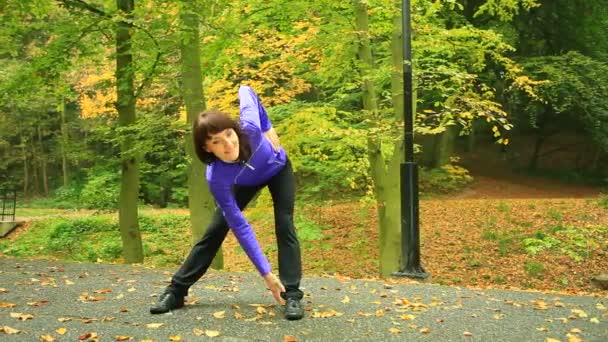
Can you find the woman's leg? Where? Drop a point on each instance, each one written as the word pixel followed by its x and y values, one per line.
pixel 282 190
pixel 203 252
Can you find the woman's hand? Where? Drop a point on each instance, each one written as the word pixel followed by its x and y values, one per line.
pixel 271 134
pixel 275 286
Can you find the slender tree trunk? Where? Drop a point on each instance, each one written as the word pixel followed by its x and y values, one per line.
pixel 25 168
pixel 64 144
pixel 200 201
pixel 125 105
pixel 43 170
pixel 35 169
pixel 386 183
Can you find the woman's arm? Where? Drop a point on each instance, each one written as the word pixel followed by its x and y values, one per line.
pixel 240 227
pixel 251 109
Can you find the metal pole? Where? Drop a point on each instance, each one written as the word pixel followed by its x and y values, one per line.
pixel 410 234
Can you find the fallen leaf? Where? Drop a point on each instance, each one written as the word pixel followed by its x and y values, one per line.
pixel 261 310
pixel 573 338
pixel 346 300
pixel 61 331
pixel 175 338
pixel 3 290
pixel 601 306
pixel 466 333
pixel 131 289
pixel 123 338
pixel 549 339
pixel 545 329
pixel 212 333
pixel 238 315
pixel 23 317
pixel 198 332
pixel 8 330
pixel 594 320
pixel 124 309
pixel 394 331
pixel 154 325
pixel 64 319
pixel 47 338
pixel 326 314
pixel 364 314
pixel 68 282
pixel 85 336
pixel 407 317
pixel 379 313
pixel 425 330
pixel 220 314
pixel 289 338
pixel 106 290
pixel 91 298
pixel 580 313
pixel 38 303
pixel 7 305
pixel 575 331
pixel 559 304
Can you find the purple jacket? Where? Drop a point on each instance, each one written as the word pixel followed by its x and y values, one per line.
pixel 263 164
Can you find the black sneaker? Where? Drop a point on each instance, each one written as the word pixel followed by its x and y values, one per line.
pixel 293 309
pixel 167 302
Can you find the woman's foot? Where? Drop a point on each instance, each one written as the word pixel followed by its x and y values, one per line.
pixel 166 302
pixel 293 309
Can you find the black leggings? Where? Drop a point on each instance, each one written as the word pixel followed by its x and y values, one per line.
pixel 282 190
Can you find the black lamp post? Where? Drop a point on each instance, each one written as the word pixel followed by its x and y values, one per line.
pixel 410 234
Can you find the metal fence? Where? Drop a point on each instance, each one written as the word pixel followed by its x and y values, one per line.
pixel 9 202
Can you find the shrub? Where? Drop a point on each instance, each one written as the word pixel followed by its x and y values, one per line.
pixel 448 178
pixel 101 191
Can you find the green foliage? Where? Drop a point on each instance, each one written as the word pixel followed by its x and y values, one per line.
pixel 307 229
pixel 326 153
pixel 447 179
pixel 602 201
pixel 576 243
pixel 66 235
pixel 101 191
pixel 534 268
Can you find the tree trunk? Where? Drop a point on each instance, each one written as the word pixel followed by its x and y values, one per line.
pixel 64 144
pixel 200 201
pixel 386 184
pixel 125 105
pixel 43 171
pixel 25 168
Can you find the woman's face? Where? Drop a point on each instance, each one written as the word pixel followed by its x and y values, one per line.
pixel 224 145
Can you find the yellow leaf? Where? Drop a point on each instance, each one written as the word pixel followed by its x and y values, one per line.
pixel 260 309
pixel 123 338
pixel 131 289
pixel 154 325
pixel 64 319
pixel 212 333
pixel 220 314
pixel 238 315
pixel 289 338
pixel 47 338
pixel 575 331
pixel 600 306
pixel 346 300
pixel 8 330
pixel 407 317
pixel 573 338
pixel 394 331
pixel 21 316
pixel 61 331
pixel 175 338
pixel 545 329
pixel 7 305
pixel 580 313
pixel 595 320
pixel 466 333
pixel 3 290
pixel 68 282
pixel 549 339
pixel 425 330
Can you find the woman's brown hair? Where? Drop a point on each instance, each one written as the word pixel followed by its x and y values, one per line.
pixel 213 122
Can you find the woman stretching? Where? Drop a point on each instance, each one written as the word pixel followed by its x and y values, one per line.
pixel 242 158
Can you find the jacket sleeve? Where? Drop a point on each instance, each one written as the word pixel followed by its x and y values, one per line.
pixel 240 227
pixel 251 109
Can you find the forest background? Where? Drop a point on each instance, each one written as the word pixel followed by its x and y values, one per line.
pixel 97 96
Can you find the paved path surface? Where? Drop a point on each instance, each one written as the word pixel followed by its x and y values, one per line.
pixel 111 301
